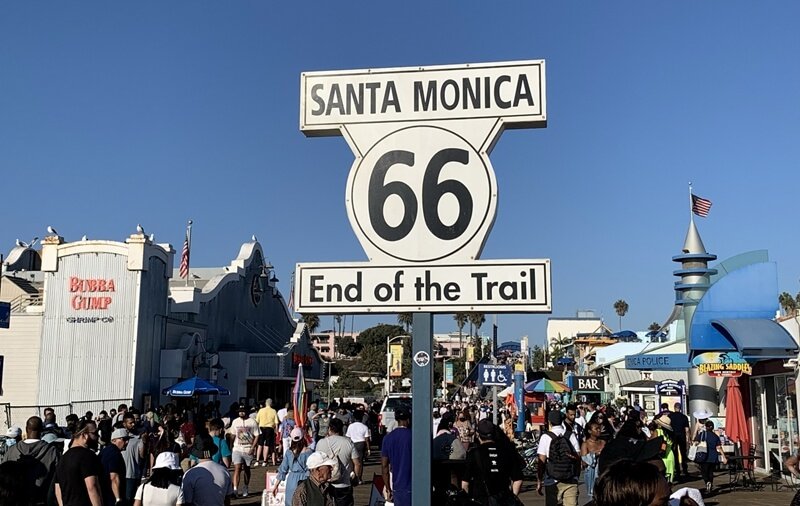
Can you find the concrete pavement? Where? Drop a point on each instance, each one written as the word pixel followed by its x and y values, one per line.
pixel 765 496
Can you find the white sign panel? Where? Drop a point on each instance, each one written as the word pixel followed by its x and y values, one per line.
pixel 518 286
pixel 421 195
pixel 514 91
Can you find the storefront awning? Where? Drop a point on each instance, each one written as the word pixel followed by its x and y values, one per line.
pixel 757 338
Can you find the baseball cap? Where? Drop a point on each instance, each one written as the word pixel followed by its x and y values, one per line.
pixel 296 434
pixel 166 460
pixel 485 427
pixel 402 413
pixel 204 447
pixel 243 407
pixel 319 459
pixel 120 434
pixel 14 432
pixel 555 417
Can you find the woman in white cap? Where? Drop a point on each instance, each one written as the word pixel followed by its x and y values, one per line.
pixel 293 468
pixel 164 484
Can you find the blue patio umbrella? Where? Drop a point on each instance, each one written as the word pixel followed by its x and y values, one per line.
pixel 195 386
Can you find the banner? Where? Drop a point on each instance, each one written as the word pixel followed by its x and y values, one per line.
pixel 396 351
pixel 448 373
pixel 470 353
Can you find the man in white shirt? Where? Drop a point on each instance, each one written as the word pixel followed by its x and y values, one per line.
pixel 246 433
pixel 360 435
pixel 564 491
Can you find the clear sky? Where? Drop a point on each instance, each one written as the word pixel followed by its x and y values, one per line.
pixel 153 112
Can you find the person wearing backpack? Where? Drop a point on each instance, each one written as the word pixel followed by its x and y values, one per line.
pixel 559 463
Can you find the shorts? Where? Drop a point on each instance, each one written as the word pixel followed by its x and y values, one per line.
pixel 242 458
pixel 267 437
pixel 361 449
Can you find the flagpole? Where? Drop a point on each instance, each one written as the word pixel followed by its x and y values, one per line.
pixel 189 259
pixel 691 214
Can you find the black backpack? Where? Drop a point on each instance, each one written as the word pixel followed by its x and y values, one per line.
pixel 563 463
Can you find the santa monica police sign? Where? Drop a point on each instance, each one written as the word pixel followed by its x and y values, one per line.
pixel 421 195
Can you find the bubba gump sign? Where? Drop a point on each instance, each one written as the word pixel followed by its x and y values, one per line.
pixel 95 293
pixel 729 364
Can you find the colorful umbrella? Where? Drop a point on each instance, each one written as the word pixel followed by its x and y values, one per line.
pixel 195 386
pixel 547 386
pixel 300 398
pixel 735 421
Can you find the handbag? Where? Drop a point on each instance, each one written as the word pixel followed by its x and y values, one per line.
pixel 700 449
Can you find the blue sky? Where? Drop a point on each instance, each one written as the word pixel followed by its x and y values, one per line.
pixel 113 114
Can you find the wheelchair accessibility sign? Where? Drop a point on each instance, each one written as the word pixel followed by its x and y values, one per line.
pixel 494 375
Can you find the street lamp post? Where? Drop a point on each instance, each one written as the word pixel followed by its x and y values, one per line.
pixel 389 362
pixel 444 378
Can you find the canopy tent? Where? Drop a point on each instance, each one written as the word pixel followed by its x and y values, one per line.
pixel 195 386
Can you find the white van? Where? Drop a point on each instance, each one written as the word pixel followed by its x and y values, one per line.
pixel 386 420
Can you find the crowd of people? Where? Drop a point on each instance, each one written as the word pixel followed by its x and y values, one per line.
pixel 172 456
pixel 200 456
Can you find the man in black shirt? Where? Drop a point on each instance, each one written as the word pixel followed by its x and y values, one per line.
pixel 113 480
pixel 680 425
pixel 491 473
pixel 78 473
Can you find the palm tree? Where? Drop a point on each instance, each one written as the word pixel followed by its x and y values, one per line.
pixel 405 319
pixel 654 327
pixel 558 345
pixel 788 303
pixel 311 320
pixel 621 307
pixel 475 322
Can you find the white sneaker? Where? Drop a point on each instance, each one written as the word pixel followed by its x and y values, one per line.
pixel 244 491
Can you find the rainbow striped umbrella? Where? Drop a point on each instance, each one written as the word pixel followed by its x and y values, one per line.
pixel 300 398
pixel 548 386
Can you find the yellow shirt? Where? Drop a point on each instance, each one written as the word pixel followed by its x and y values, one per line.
pixel 267 417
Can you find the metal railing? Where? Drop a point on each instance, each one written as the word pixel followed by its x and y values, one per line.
pixel 18 415
pixel 20 303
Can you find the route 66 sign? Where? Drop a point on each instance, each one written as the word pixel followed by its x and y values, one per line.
pixel 422 188
pixel 422 191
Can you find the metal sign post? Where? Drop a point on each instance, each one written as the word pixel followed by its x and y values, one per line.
pixel 421 197
pixel 421 405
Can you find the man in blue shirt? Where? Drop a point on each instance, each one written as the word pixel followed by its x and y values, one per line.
pixel 396 454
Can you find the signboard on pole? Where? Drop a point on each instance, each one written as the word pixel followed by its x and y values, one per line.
pixel 396 351
pixel 494 375
pixel 448 373
pixel 421 195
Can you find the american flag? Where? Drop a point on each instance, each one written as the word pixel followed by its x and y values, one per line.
pixel 700 206
pixel 185 257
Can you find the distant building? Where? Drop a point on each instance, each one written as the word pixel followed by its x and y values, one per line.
pixel 324 342
pixel 562 331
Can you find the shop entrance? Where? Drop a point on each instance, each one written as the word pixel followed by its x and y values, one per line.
pixel 774 421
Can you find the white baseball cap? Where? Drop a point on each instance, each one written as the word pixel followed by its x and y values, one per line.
pixel 14 432
pixel 319 459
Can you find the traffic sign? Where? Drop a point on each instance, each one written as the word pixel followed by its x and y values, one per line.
pixel 421 358
pixel 494 375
